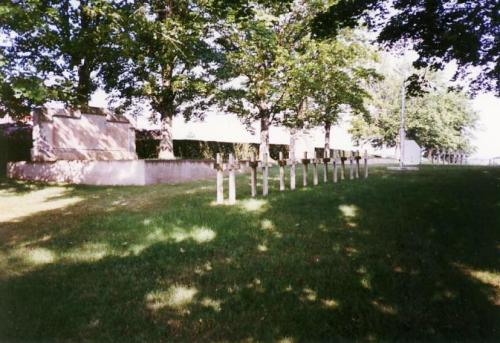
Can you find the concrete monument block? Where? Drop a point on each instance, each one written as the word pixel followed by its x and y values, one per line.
pixel 96 134
pixel 412 153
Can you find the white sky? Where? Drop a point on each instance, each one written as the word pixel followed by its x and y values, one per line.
pixel 487 135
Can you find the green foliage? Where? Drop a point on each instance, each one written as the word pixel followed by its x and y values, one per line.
pixel 440 31
pixel 438 119
pixel 258 48
pixel 19 95
pixel 52 51
pixel 259 59
pixel 205 150
pixel 165 55
pixel 332 75
pixel 285 75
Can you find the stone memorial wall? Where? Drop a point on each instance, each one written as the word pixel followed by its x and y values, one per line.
pixel 96 134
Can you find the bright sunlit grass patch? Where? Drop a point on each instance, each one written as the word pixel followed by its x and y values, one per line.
pixel 14 207
pixel 88 252
pixel 330 303
pixel 384 308
pixel 262 247
pixel 215 305
pixel 176 297
pixel 309 294
pixel 177 234
pixel 490 278
pixel 23 259
pixel 38 256
pixel 198 234
pixel 253 205
pixel 349 211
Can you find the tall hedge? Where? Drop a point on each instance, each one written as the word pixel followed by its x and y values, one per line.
pixel 192 149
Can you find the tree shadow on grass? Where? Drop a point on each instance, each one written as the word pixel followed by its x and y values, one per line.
pixel 382 259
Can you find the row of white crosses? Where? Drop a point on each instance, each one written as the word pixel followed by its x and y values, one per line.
pixel 448 157
pixel 232 165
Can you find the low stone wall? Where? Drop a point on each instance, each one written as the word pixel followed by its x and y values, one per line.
pixel 124 172
pixel 175 171
pixel 131 172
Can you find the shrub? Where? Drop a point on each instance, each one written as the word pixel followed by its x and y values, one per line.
pixel 148 144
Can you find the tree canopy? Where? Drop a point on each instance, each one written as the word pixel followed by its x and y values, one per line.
pixel 437 119
pixel 165 57
pixel 284 62
pixel 332 76
pixel 441 31
pixel 52 51
pixel 258 49
pixel 286 76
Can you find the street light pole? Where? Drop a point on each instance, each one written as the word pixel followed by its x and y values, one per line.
pixel 402 135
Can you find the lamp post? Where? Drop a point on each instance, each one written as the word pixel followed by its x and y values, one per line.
pixel 402 120
pixel 402 134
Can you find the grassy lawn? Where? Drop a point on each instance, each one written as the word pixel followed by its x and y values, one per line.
pixel 412 256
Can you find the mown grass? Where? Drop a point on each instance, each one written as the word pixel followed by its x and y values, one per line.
pixel 397 257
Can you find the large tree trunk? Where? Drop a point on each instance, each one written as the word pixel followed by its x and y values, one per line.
pixel 167 109
pixel 328 126
pixel 166 151
pixel 84 88
pixel 264 136
pixel 167 139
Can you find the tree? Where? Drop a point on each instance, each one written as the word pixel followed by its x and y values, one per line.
pixel 165 56
pixel 328 78
pixel 438 119
pixel 340 82
pixel 52 50
pixel 284 70
pixel 440 31
pixel 258 49
pixel 442 120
